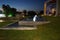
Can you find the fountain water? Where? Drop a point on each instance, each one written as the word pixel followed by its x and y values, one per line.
pixel 34 18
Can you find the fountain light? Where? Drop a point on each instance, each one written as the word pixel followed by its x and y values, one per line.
pixel 34 18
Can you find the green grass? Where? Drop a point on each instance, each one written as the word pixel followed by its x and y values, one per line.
pixel 4 23
pixel 49 31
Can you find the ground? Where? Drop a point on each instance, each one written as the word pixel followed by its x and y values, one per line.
pixel 3 24
pixel 49 31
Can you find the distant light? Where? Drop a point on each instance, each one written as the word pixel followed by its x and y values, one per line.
pixel 2 15
pixel 1 20
pixel 53 9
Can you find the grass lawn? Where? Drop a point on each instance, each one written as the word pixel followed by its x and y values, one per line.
pixel 49 31
pixel 5 23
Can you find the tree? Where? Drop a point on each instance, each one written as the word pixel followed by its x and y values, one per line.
pixel 41 12
pixel 25 12
pixel 8 6
pixel 8 10
pixel 5 8
pixel 31 13
pixel 13 11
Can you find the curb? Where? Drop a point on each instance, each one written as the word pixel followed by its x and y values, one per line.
pixel 20 28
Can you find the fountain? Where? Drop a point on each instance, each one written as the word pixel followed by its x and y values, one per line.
pixel 29 23
pixel 36 20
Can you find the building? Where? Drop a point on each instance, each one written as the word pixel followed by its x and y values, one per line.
pixel 50 7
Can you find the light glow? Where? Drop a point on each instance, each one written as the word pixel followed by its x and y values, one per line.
pixel 2 15
pixel 34 18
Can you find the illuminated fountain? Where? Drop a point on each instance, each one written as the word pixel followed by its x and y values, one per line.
pixel 29 23
pixel 34 18
pixel 34 21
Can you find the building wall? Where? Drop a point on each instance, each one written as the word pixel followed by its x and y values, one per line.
pixel 51 7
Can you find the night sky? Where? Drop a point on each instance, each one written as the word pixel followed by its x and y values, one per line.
pixel 24 4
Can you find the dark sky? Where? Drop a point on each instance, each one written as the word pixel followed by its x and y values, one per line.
pixel 24 4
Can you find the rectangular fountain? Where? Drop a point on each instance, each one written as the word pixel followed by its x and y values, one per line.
pixel 33 21
pixel 27 23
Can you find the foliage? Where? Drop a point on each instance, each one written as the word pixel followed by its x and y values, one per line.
pixel 41 12
pixel 32 13
pixel 8 10
pixel 25 12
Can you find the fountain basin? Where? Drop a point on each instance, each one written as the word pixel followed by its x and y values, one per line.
pixel 32 22
pixel 35 20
